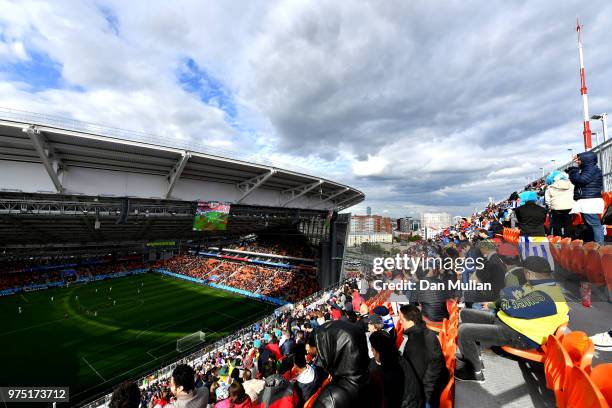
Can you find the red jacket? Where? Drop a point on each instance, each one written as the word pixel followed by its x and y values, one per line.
pixel 273 347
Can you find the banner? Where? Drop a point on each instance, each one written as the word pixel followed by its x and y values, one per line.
pixel 211 216
pixel 161 243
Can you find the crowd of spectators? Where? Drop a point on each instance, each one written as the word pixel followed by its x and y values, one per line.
pixel 332 349
pixel 276 245
pixel 277 282
pixel 18 274
pixel 565 203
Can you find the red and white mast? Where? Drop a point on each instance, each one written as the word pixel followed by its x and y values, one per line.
pixel 583 92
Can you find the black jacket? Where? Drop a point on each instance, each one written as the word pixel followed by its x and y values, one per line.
pixel 588 179
pixel 396 385
pixel 531 218
pixel 307 390
pixel 423 351
pixel 342 351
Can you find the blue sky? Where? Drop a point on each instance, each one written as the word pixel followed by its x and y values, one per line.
pixel 420 107
pixel 210 90
pixel 39 72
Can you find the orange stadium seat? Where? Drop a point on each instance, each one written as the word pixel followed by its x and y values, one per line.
pixel 576 258
pixel 399 339
pixel 435 326
pixel 557 363
pixel 580 348
pixel 592 264
pixel 446 398
pixel 534 354
pixel 564 252
pixel 313 398
pixel 605 254
pixel 580 391
pixel 554 247
pixel 607 196
pixel 601 376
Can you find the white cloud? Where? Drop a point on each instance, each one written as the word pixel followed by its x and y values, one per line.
pixel 416 105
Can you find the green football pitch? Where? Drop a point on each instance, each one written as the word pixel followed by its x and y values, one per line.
pixel 92 336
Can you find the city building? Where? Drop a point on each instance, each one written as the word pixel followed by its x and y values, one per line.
pixel 436 220
pixel 370 224
pixel 369 211
pixel 356 239
pixel 408 224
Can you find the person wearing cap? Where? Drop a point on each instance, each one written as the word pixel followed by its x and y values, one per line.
pixel 524 318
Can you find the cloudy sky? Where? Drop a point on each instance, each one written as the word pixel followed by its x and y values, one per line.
pixel 420 105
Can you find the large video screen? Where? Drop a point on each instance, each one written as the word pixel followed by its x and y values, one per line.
pixel 211 216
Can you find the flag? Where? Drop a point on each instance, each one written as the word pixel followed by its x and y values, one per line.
pixel 536 246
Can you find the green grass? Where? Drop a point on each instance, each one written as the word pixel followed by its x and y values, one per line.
pixel 61 342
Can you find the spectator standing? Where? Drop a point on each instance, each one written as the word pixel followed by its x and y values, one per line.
pixel 530 216
pixel 394 381
pixel 559 198
pixel 587 179
pixel 421 348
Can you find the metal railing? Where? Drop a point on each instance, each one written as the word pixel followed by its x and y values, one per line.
pixel 604 161
pixel 144 137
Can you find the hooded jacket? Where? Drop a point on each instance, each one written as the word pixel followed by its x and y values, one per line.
pixel 342 351
pixel 588 179
pixel 560 195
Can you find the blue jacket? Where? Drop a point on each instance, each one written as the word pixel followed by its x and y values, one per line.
pixel 588 180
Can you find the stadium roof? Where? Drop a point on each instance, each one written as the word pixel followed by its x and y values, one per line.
pixel 44 154
pixel 36 220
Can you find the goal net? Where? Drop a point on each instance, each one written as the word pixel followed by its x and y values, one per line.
pixel 189 341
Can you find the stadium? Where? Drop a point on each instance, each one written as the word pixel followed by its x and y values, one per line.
pixel 155 268
pixel 99 230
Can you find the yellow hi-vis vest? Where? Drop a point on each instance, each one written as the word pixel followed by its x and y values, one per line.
pixel 538 329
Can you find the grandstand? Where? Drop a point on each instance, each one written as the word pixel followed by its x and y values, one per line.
pixel 98 231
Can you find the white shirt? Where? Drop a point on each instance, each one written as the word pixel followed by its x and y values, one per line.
pixel 588 206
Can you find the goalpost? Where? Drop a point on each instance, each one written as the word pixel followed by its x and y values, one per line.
pixel 189 341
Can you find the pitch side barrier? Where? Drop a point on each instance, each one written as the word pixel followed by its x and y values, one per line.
pixel 200 356
pixel 31 288
pixel 246 293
